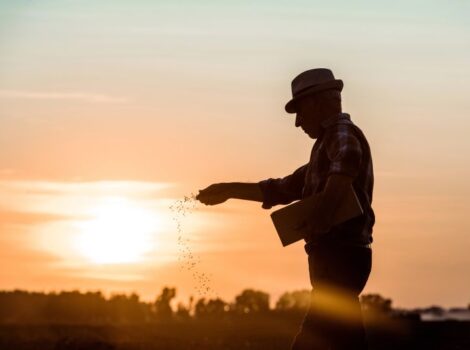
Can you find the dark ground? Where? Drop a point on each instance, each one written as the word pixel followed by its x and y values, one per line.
pixel 268 333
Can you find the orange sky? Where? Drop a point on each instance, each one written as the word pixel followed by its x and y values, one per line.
pixel 142 103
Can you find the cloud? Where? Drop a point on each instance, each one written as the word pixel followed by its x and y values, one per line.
pixel 24 255
pixel 72 199
pixel 7 171
pixel 123 187
pixel 29 218
pixel 78 96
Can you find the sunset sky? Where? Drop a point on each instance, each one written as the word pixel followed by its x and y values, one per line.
pixel 110 111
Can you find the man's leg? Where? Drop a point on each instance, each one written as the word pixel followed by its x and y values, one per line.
pixel 317 326
pixel 334 319
pixel 353 335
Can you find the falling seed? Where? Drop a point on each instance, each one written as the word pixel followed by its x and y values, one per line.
pixel 188 260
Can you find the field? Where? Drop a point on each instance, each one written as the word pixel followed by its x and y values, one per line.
pixel 267 333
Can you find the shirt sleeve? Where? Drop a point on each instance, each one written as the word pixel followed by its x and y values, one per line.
pixel 283 190
pixel 344 151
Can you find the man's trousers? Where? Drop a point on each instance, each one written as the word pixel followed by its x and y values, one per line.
pixel 338 274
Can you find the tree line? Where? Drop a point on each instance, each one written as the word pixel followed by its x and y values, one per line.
pixel 20 306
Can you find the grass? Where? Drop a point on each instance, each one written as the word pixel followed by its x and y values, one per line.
pixel 253 334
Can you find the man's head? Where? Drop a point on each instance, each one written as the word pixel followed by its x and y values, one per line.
pixel 311 110
pixel 316 95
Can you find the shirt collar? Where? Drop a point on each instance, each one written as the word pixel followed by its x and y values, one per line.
pixel 333 119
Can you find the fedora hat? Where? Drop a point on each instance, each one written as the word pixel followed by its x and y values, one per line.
pixel 310 82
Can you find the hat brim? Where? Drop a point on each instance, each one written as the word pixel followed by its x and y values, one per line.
pixel 331 85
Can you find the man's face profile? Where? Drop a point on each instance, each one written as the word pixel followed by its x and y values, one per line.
pixel 307 116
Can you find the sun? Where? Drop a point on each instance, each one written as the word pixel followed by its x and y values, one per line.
pixel 120 231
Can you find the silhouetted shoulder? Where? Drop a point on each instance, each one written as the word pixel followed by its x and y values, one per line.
pixel 343 148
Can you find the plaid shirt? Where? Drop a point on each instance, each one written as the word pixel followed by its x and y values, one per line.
pixel 341 148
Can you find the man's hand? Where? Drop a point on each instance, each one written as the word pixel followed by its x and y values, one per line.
pixel 219 193
pixel 215 193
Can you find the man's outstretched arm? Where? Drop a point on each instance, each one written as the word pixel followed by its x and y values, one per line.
pixel 270 192
pixel 220 192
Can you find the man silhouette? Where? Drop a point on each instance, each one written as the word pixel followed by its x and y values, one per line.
pixel 339 256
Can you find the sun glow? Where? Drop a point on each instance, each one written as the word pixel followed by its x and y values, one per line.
pixel 120 231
